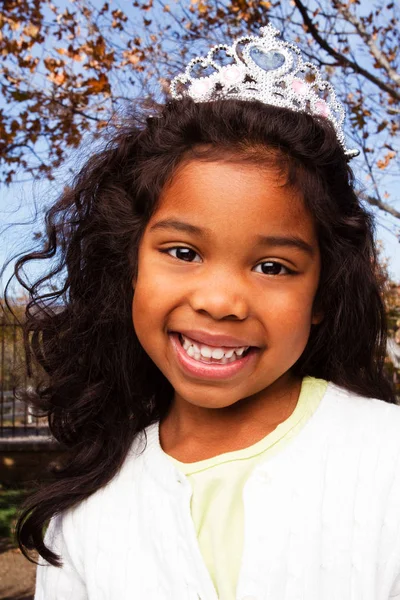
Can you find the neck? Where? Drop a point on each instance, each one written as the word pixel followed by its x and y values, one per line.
pixel 190 433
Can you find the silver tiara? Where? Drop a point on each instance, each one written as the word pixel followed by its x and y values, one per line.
pixel 268 70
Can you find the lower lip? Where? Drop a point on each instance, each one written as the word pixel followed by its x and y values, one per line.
pixel 209 370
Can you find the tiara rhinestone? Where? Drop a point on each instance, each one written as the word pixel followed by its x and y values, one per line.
pixel 265 69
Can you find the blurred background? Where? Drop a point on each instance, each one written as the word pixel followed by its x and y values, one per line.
pixel 71 69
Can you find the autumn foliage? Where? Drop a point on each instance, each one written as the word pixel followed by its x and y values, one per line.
pixel 68 67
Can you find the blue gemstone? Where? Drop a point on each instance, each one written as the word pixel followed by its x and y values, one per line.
pixel 267 61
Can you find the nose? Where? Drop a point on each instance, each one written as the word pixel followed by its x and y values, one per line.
pixel 220 296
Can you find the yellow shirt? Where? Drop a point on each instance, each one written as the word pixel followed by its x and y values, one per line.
pixel 217 483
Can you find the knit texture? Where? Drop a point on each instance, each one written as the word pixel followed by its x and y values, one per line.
pixel 322 520
pixel 217 484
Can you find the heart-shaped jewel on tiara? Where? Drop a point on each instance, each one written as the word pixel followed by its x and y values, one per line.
pixel 266 69
pixel 267 61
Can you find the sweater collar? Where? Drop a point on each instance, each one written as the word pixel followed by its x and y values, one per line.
pixel 157 462
pixel 167 474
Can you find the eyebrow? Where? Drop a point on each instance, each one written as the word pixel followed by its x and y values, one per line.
pixel 179 226
pixel 292 241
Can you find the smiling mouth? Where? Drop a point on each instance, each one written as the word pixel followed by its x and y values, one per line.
pixel 210 354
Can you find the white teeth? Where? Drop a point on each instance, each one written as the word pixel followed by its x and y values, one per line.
pixel 217 353
pixel 206 351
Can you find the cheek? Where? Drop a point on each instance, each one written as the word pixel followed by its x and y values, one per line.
pixel 288 317
pixel 143 318
pixel 141 304
pixel 293 305
pixel 149 305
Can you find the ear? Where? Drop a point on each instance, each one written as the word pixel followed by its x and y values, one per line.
pixel 317 313
pixel 317 318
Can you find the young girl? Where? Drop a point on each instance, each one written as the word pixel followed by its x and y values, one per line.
pixel 215 355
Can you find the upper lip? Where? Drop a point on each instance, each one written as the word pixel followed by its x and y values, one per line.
pixel 213 339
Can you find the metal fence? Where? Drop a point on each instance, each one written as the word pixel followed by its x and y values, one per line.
pixel 16 419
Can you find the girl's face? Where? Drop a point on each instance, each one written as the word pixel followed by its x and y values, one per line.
pixel 229 261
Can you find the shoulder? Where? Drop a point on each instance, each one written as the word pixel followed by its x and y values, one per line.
pixel 355 407
pixel 349 446
pixel 364 426
pixel 126 503
pixel 117 498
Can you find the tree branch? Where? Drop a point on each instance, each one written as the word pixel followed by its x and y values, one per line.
pixel 382 205
pixel 73 110
pixel 343 60
pixel 367 38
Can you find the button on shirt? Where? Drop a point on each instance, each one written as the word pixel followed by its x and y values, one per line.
pixel 217 483
pixel 321 520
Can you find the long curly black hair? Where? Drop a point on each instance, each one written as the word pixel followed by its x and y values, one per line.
pixel 101 388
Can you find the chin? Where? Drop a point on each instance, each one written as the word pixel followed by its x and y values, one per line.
pixel 210 398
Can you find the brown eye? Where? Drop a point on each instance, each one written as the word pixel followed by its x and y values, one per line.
pixel 181 253
pixel 273 268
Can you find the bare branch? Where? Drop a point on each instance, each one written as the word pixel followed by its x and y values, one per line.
pixel 382 205
pixel 343 60
pixel 376 200
pixel 376 53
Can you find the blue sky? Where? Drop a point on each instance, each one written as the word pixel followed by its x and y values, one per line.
pixel 22 206
pixel 21 213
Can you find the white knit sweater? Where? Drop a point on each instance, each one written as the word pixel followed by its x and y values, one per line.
pixel 322 520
